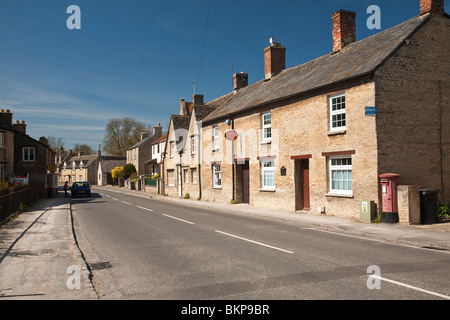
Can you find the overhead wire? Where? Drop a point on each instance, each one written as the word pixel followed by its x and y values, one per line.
pixel 203 46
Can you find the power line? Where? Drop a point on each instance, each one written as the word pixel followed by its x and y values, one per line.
pixel 204 44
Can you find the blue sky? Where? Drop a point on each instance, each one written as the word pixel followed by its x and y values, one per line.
pixel 137 58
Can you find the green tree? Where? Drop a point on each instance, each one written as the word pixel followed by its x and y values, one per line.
pixel 128 170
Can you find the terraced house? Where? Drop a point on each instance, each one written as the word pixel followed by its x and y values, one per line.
pixel 316 137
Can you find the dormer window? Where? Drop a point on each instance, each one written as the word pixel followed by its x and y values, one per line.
pixel 81 165
pixel 74 165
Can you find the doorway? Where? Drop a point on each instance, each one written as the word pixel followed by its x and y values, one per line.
pixel 302 195
pixel 243 182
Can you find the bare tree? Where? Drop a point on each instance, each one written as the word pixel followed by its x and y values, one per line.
pixel 56 144
pixel 121 134
pixel 83 149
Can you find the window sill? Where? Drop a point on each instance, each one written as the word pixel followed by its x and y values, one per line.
pixel 339 195
pixel 267 190
pixel 337 132
pixel 217 188
pixel 265 141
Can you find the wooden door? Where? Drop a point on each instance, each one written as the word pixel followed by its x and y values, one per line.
pixel 305 183
pixel 302 198
pixel 246 183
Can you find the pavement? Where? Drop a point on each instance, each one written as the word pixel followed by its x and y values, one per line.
pixel 40 258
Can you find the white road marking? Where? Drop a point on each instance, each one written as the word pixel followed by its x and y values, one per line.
pixel 115 199
pixel 377 240
pixel 126 202
pixel 144 208
pixel 178 219
pixel 412 287
pixel 252 241
pixel 107 196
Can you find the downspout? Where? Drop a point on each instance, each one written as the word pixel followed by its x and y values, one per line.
pixel 232 166
pixel 441 153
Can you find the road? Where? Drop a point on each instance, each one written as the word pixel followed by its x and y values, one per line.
pixel 163 250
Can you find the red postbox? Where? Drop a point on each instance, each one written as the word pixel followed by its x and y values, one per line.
pixel 389 182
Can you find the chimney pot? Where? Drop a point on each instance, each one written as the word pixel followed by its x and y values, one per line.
pixel 7 116
pixel 274 59
pixel 20 126
pixel 344 29
pixel 431 6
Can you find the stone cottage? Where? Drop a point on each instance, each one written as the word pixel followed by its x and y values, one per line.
pixel 316 137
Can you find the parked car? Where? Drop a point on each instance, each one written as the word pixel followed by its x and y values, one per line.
pixel 80 188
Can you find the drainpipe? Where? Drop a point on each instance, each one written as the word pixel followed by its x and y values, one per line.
pixel 232 156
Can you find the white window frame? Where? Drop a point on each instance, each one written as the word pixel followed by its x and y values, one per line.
pixel 194 175
pixel 270 169
pixel 29 154
pixel 217 175
pixel 215 137
pixel 338 112
pixel 171 178
pixel 186 175
pixel 266 126
pixel 193 146
pixel 344 166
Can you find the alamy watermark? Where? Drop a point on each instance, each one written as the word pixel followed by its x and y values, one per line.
pixel 74 280
pixel 74 21
pixel 374 21
pixel 374 280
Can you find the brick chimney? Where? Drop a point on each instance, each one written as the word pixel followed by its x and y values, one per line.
pixel 197 99
pixel 7 115
pixel 344 29
pixel 274 59
pixel 240 80
pixel 432 6
pixel 20 126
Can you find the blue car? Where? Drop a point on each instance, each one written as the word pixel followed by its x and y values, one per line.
pixel 80 189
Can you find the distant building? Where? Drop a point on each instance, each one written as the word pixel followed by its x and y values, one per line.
pixel 141 152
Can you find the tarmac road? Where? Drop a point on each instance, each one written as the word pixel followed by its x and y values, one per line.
pixel 161 249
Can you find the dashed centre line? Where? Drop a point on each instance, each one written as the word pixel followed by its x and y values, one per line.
pixel 412 287
pixel 144 208
pixel 255 242
pixel 126 202
pixel 178 219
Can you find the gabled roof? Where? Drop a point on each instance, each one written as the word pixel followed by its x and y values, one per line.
pixel 202 111
pixel 87 159
pixel 108 163
pixel 358 59
pixel 180 122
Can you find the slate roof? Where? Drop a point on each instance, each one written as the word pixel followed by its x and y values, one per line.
pixel 202 111
pixel 180 122
pixel 356 60
pixel 108 163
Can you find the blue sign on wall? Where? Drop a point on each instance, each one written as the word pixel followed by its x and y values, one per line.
pixel 371 111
